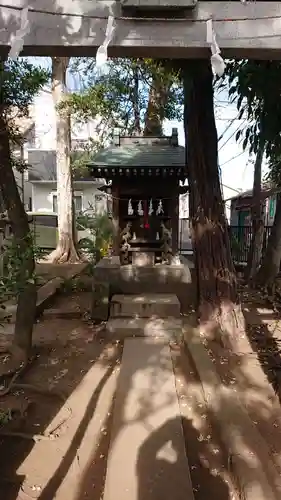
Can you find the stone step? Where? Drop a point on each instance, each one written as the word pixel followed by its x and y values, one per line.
pixel 147 456
pixel 165 328
pixel 162 305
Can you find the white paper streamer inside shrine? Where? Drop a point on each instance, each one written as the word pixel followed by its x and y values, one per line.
pixel 130 208
pixel 160 210
pixel 217 62
pixel 140 210
pixel 17 40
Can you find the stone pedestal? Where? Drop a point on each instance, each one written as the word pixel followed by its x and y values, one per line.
pixel 176 278
pixel 143 259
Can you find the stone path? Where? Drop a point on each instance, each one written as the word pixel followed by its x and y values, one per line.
pixel 147 458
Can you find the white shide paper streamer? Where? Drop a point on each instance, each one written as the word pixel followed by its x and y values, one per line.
pixel 217 62
pixel 101 55
pixel 17 40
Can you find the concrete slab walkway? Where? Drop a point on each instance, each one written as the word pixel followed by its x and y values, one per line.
pixel 147 458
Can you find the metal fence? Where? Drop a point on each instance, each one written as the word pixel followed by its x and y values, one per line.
pixel 240 239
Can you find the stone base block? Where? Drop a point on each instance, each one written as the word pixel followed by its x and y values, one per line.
pixel 120 328
pixel 148 305
pixel 143 259
pixel 160 278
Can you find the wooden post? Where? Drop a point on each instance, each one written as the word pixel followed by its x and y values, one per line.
pixel 115 218
pixel 174 207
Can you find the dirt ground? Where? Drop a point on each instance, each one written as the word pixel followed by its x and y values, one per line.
pixel 254 372
pixel 71 358
pixel 66 351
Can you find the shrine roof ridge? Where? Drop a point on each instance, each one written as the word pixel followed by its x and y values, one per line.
pixel 140 155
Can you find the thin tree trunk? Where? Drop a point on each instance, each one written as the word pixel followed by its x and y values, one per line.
pixel 154 117
pixel 26 307
pixel 270 265
pixel 135 101
pixel 219 308
pixel 255 251
pixel 65 251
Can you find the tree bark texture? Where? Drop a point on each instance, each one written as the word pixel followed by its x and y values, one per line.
pixel 26 308
pixel 270 265
pixel 154 117
pixel 255 251
pixel 219 308
pixel 136 104
pixel 65 251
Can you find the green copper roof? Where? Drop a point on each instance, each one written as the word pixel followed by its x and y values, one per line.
pixel 141 155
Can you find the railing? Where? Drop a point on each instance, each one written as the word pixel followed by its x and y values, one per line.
pixel 240 239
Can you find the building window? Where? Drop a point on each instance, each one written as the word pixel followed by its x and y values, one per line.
pixel 78 203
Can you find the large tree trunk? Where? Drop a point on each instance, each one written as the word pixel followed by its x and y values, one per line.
pixel 27 296
pixel 255 252
pixel 65 251
pixel 154 117
pixel 219 308
pixel 270 265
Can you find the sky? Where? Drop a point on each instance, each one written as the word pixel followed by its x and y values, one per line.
pixel 236 169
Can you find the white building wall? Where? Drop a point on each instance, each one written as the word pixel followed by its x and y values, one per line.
pixel 42 199
pixel 44 116
pixel 229 192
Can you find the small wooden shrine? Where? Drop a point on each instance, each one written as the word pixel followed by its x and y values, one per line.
pixel 143 176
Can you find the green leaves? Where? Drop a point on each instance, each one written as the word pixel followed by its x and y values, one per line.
pixel 118 98
pixel 15 275
pixel 256 88
pixel 238 135
pixel 19 82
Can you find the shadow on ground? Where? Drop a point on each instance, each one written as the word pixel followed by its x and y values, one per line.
pixel 65 361
pixel 68 351
pixel 246 379
pixel 159 462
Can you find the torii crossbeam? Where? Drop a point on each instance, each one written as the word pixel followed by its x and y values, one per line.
pixel 77 28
